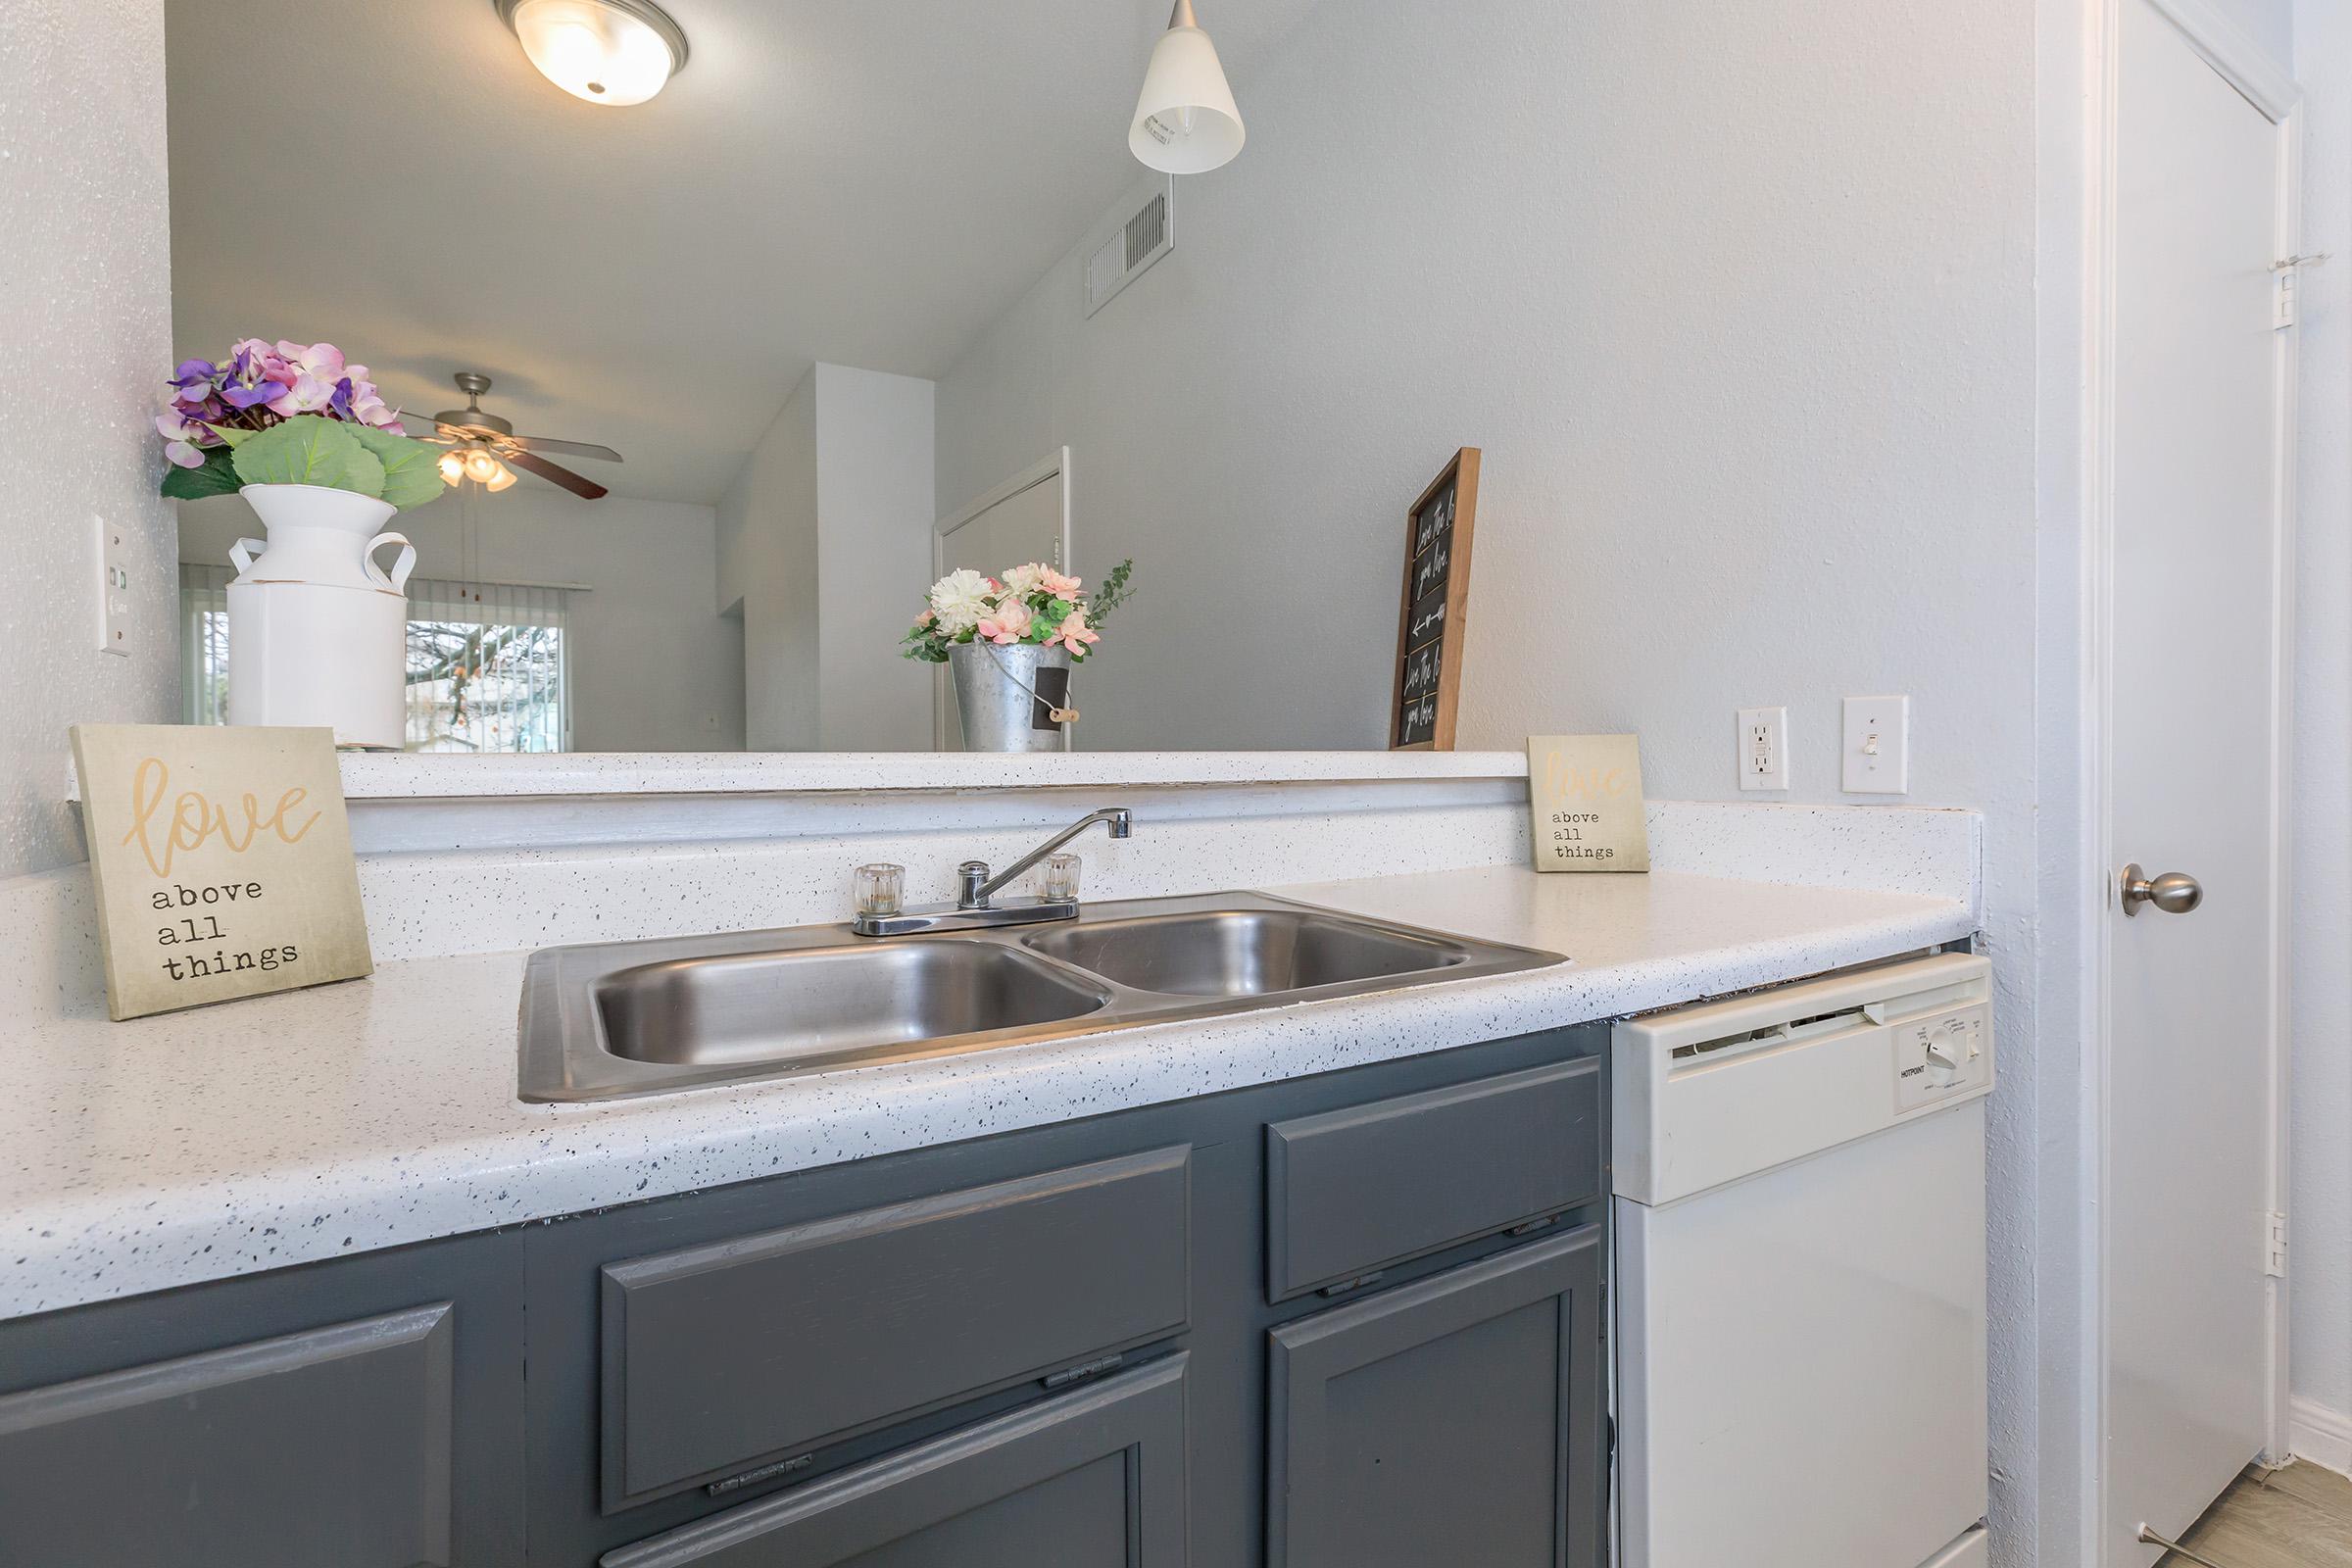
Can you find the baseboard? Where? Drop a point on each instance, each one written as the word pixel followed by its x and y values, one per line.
pixel 2318 1435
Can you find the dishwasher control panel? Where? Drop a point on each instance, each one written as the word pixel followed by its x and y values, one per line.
pixel 1939 1056
pixel 1712 1093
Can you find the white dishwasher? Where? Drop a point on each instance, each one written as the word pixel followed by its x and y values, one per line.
pixel 1801 1274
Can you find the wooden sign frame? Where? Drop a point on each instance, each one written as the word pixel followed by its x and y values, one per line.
pixel 1429 645
pixel 220 857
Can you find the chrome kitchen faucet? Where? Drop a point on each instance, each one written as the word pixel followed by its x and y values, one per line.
pixel 976 890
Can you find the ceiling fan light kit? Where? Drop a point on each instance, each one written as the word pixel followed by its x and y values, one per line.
pixel 611 52
pixel 484 448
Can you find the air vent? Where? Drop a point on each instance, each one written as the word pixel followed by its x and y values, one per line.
pixel 1144 235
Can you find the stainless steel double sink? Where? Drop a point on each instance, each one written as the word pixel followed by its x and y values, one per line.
pixel 639 1017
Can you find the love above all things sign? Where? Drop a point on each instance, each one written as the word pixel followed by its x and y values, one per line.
pixel 221 857
pixel 1585 794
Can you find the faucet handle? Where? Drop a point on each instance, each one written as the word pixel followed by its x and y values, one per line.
pixel 971 876
pixel 1057 882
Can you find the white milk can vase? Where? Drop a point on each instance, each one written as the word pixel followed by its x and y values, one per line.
pixel 317 632
pixel 1008 697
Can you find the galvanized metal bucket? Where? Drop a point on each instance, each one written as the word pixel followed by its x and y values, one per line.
pixel 998 692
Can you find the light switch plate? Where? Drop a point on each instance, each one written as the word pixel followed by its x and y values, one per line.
pixel 1763 747
pixel 112 631
pixel 1875 756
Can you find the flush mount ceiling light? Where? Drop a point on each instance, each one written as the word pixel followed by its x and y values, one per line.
pixel 1186 121
pixel 613 52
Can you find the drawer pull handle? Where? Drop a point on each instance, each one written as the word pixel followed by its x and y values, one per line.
pixel 1082 1371
pixel 1532 1226
pixel 1355 1284
pixel 766 1472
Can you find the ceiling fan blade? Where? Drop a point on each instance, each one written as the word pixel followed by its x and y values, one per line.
pixel 569 449
pixel 585 489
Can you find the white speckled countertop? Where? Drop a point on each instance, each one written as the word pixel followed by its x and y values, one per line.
pixel 228 1140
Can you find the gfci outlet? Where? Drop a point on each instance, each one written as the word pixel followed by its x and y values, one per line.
pixel 113 625
pixel 1875 753
pixel 1763 747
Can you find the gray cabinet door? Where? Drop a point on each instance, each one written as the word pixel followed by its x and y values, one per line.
pixel 1095 1479
pixel 362 1413
pixel 328 1446
pixel 1455 1420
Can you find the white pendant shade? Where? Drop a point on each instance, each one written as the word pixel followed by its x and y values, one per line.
pixel 1186 121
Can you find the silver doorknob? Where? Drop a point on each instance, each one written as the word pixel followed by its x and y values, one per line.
pixel 2174 892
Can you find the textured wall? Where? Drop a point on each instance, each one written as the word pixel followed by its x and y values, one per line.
pixel 767 566
pixel 873 529
pixel 653 666
pixel 2320 1193
pixel 86 339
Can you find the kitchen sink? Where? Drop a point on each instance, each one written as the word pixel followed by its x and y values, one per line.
pixel 620 1018
pixel 1244 953
pixel 825 1004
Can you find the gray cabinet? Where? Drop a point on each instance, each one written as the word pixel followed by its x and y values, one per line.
pixel 1348 1319
pixel 366 1414
pixel 1454 1420
pixel 1091 1479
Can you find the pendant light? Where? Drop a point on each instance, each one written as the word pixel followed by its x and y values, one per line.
pixel 1186 121
pixel 615 52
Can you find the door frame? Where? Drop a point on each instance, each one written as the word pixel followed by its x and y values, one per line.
pixel 2249 69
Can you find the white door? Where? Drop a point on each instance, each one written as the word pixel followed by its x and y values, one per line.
pixel 2193 770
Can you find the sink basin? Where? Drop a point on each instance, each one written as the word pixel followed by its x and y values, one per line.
pixel 620 1018
pixel 832 1002
pixel 1243 952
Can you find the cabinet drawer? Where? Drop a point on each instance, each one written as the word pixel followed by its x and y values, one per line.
pixel 722 1358
pixel 1351 1191
pixel 1094 1479
pixel 331 1446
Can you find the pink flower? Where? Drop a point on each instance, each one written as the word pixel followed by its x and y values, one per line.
pixel 925 619
pixel 321 360
pixel 1009 622
pixel 1059 586
pixel 308 395
pixel 1074 634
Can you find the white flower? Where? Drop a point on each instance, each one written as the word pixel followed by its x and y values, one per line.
pixel 1022 581
pixel 960 600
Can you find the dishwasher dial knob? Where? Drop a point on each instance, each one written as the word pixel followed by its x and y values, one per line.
pixel 1945 1049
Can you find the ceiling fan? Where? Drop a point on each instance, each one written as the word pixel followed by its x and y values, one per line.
pixel 469 432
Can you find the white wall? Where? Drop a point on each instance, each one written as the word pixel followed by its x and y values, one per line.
pixel 86 341
pixel 2321 1130
pixel 1737 301
pixel 767 574
pixel 825 548
pixel 653 666
pixel 874 510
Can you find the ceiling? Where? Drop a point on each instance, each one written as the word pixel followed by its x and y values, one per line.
pixel 863 181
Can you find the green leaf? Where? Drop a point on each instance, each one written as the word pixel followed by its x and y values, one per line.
pixel 412 477
pixel 215 479
pixel 309 450
pixel 363 473
pixel 235 435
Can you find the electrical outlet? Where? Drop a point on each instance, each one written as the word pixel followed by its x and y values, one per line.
pixel 1763 747
pixel 113 627
pixel 1875 756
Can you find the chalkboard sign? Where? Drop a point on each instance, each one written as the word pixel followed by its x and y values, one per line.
pixel 1436 592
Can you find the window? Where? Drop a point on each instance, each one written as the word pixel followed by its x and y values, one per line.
pixel 486 662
